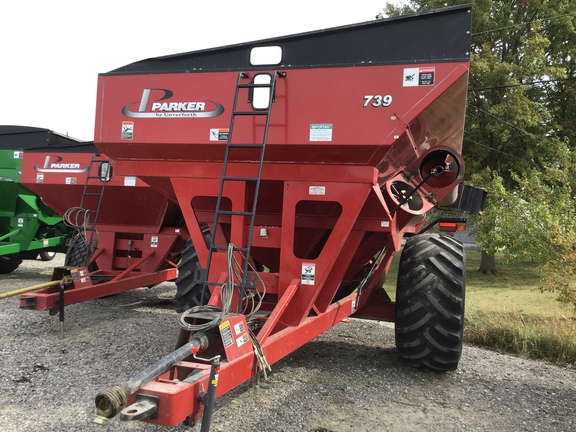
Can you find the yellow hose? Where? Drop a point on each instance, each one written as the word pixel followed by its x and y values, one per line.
pixel 31 288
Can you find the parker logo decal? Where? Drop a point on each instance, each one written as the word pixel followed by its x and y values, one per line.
pixel 156 103
pixel 55 164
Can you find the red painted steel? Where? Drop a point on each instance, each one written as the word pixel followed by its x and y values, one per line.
pixel 306 95
pixel 140 231
pixel 47 299
pixel 334 201
pixel 178 399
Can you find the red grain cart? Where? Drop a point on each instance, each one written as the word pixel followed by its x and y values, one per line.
pixel 299 164
pixel 127 235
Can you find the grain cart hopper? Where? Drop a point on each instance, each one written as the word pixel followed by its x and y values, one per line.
pixel 309 158
pixel 126 235
pixel 28 227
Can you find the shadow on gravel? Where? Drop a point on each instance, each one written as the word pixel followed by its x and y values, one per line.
pixel 28 274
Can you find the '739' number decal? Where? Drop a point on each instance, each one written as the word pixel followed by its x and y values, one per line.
pixel 377 100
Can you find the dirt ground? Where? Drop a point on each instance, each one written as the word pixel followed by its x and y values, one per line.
pixel 347 379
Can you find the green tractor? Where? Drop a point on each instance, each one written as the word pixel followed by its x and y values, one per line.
pixel 29 229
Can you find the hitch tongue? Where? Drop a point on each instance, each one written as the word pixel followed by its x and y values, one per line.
pixel 112 400
pixel 145 407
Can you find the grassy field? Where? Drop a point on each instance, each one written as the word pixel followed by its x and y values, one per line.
pixel 513 290
pixel 507 313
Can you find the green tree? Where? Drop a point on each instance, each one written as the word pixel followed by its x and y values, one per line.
pixel 518 76
pixel 535 222
pixel 520 137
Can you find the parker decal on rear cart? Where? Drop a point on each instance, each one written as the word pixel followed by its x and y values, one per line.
pixel 55 164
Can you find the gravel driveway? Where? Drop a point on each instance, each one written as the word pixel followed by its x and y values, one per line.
pixel 348 379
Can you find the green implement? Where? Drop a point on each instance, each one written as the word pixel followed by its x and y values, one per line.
pixel 28 228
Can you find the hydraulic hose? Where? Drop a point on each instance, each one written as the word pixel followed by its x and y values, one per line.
pixel 31 288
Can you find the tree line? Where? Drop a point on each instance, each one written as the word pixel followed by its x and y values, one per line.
pixel 520 132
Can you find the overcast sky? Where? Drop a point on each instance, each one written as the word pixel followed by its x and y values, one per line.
pixel 52 50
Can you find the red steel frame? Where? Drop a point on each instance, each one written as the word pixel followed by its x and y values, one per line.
pixel 136 246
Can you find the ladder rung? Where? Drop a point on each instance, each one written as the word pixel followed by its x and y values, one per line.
pixel 92 194
pixel 253 85
pixel 249 113
pixel 246 282
pixel 253 179
pixel 234 213
pixel 246 145
pixel 221 248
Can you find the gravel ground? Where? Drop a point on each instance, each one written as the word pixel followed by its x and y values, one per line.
pixel 348 379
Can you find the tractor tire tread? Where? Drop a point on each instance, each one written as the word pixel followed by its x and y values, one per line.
pixel 9 263
pixel 189 293
pixel 78 253
pixel 430 302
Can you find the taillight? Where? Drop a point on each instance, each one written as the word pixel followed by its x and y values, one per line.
pixel 451 226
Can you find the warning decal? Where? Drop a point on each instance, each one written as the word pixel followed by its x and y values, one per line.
pixel 219 134
pixel 308 273
pixel 127 130
pixel 242 340
pixel 414 77
pixel 239 328
pixel 74 274
pixel 226 334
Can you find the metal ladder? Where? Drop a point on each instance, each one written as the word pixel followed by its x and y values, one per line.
pixel 247 281
pixel 91 216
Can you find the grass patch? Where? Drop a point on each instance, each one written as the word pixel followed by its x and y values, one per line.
pixel 508 314
pixel 514 288
pixel 549 339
